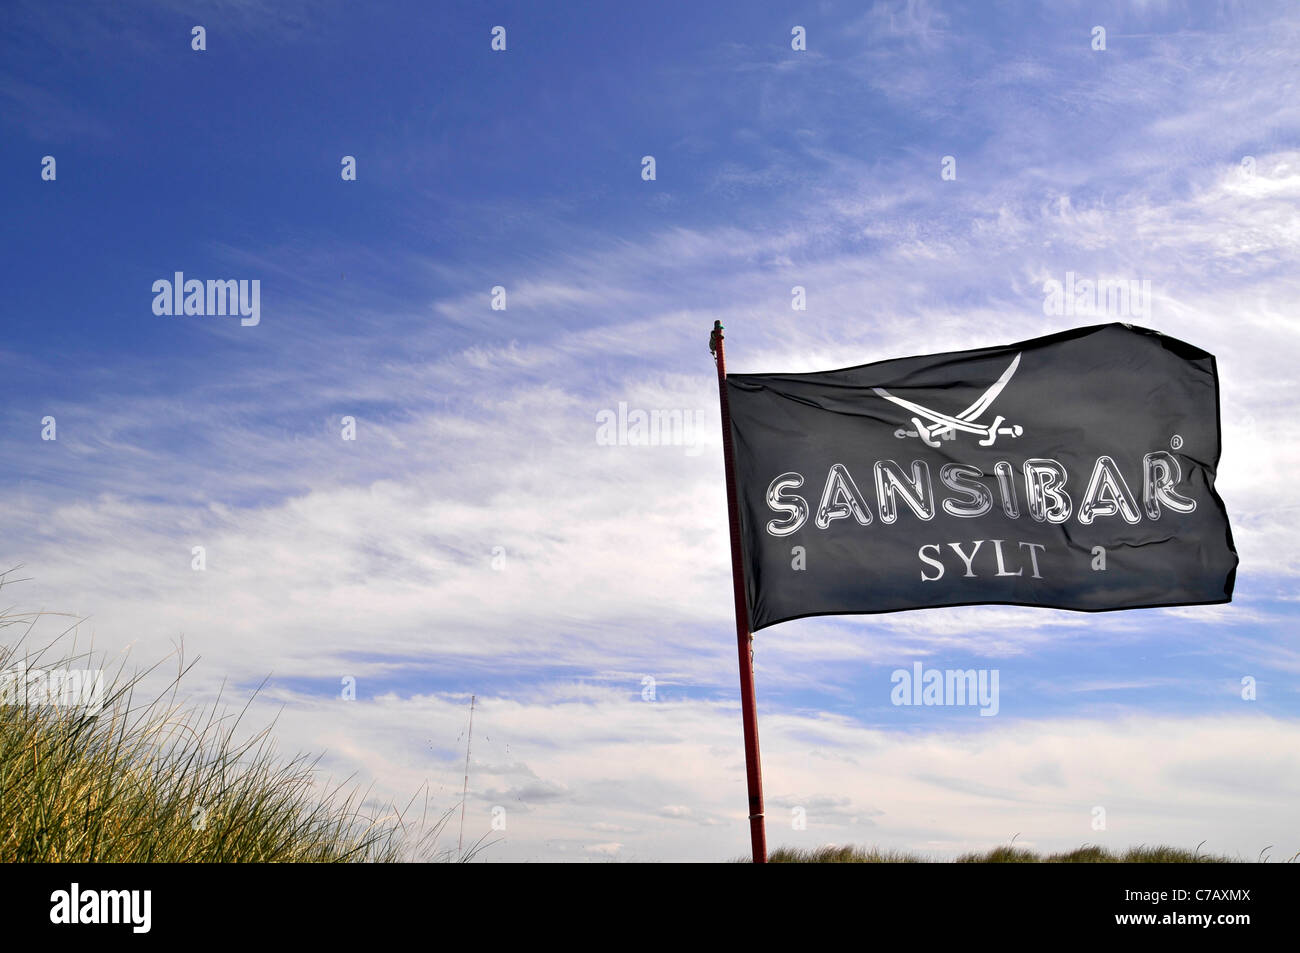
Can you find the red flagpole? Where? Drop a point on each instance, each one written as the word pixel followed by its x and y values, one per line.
pixel 744 639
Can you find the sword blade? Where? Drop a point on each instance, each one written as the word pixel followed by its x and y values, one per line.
pixel 977 408
pixel 940 419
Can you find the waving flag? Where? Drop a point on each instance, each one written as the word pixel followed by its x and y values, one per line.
pixel 1073 471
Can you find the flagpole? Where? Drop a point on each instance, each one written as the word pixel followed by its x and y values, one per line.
pixel 744 638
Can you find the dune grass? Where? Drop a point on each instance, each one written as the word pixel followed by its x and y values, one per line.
pixel 832 854
pixel 155 780
pixel 1087 854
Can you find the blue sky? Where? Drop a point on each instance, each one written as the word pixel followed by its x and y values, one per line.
pixel 1169 156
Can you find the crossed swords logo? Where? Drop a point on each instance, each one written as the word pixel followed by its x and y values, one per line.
pixel 943 425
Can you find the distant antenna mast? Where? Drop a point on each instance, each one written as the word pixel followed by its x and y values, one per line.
pixel 469 737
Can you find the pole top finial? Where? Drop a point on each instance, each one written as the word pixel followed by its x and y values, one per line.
pixel 715 337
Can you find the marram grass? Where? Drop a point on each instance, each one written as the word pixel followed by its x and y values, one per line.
pixel 154 780
pixel 832 854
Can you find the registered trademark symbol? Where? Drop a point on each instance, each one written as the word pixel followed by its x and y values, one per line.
pixel 1176 442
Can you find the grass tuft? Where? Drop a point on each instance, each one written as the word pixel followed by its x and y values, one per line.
pixel 1001 855
pixel 153 780
pixel 1088 854
pixel 832 854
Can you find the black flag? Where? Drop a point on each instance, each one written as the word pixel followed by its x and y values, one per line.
pixel 1073 471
